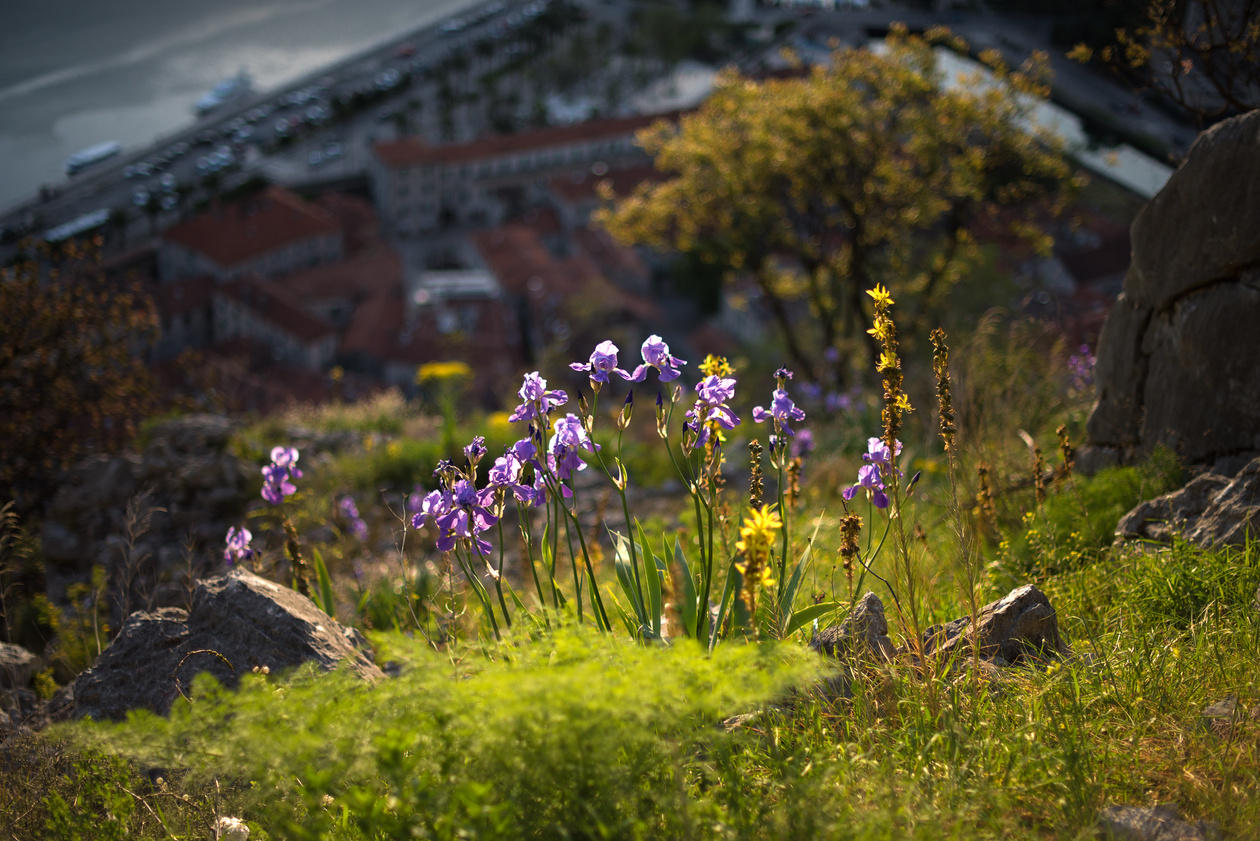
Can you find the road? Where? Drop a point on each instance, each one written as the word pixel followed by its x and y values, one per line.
pixel 245 135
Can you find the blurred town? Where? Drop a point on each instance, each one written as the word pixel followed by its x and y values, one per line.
pixel 431 199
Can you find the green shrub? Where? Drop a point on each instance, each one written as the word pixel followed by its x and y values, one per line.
pixel 569 735
pixel 1078 522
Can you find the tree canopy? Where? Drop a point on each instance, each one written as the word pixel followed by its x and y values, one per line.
pixel 1204 55
pixel 72 374
pixel 870 170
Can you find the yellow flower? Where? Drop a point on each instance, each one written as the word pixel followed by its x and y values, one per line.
pixel 451 370
pixel 880 296
pixel 759 530
pixel 716 366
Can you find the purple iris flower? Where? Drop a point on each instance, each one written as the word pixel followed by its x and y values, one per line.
pixel 712 394
pixel 506 471
pixel 536 400
pixel 474 451
pixel 656 355
pixel 603 362
pixel 802 444
pixel 566 444
pixel 525 451
pixel 276 484
pixel 435 504
pixel 1081 367
pixel 286 457
pixel 812 391
pixel 868 478
pixel 782 410
pixel 238 545
pixel 877 451
pixel 351 511
pixel 415 498
pixel 466 519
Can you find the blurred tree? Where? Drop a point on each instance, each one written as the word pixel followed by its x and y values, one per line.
pixel 72 373
pixel 867 171
pixel 1204 55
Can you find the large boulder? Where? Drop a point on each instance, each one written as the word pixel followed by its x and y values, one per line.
pixel 1177 355
pixel 238 622
pixel 1019 626
pixel 1212 510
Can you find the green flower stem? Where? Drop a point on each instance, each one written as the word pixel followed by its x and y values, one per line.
pixel 525 515
pixel 498 579
pixel 479 589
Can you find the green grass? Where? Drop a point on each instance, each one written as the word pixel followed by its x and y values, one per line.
pixel 567 734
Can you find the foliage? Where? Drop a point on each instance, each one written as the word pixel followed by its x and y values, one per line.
pixel 1204 55
pixel 1078 522
pixel 72 375
pixel 868 171
pixel 566 733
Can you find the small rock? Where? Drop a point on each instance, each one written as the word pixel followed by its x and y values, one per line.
pixel 865 629
pixel 1211 510
pixel 1223 716
pixel 1020 625
pixel 1160 823
pixel 17 666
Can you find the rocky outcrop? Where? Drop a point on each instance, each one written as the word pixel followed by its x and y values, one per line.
pixel 1020 626
pixel 1178 353
pixel 17 666
pixel 1212 510
pixel 1016 629
pixel 184 486
pixel 238 622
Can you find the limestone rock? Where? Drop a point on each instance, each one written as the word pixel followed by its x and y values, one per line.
pixel 1160 823
pixel 1177 354
pixel 17 666
pixel 1212 510
pixel 237 622
pixel 1020 625
pixel 865 629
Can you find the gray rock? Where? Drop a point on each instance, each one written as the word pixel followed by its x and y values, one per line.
pixel 238 622
pixel 1177 354
pixel 1211 510
pixel 17 666
pixel 1019 626
pixel 1160 823
pixel 1120 374
pixel 1201 226
pixel 864 630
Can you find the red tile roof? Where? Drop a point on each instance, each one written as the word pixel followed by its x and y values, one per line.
pixel 275 304
pixel 412 150
pixel 366 274
pixel 232 234
pixel 183 295
pixel 523 265
pixel 357 219
pixel 617 262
